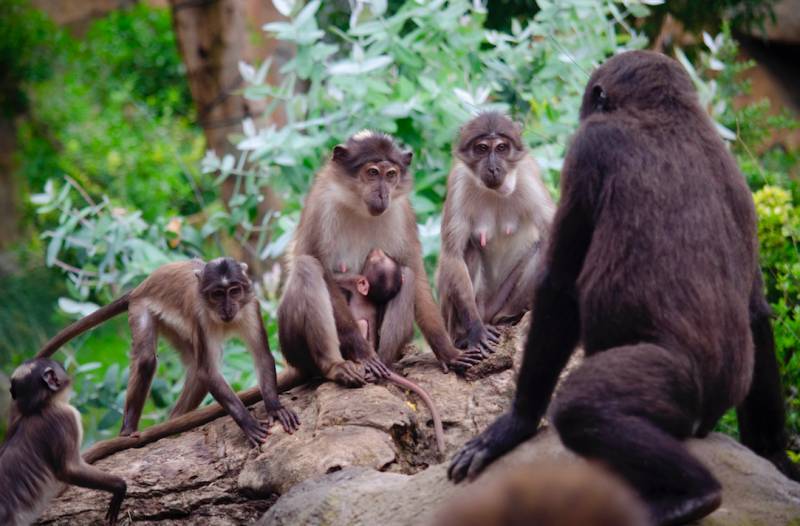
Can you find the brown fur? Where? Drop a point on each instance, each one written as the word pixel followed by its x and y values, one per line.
pixel 496 216
pixel 196 306
pixel 545 495
pixel 652 265
pixel 42 449
pixel 347 214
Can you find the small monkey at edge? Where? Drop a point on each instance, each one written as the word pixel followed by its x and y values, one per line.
pixel 380 281
pixel 496 215
pixel 42 449
pixel 196 306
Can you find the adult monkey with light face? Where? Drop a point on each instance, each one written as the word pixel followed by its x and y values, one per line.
pixel 196 306
pixel 496 216
pixel 358 202
pixel 653 266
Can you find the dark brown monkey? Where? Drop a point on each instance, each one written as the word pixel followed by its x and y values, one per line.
pixel 196 306
pixel 359 201
pixel 42 449
pixel 496 216
pixel 653 266
pixel 368 294
pixel 539 494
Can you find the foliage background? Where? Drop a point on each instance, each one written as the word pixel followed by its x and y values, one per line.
pixel 115 180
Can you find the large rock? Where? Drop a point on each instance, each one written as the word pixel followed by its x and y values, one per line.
pixel 368 456
pixel 211 476
pixel 754 492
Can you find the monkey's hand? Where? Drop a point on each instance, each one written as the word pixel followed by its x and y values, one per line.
pixel 460 361
pixel 288 418
pixel 504 434
pixel 481 337
pixel 255 431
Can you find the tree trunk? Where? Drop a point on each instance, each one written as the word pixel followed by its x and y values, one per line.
pixel 213 36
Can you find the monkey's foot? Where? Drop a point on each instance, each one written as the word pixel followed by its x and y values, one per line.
pixel 464 360
pixel 503 435
pixel 347 373
pixel 682 511
pixel 288 418
pixel 481 337
pixel 131 433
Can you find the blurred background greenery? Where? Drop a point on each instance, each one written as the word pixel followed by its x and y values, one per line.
pixel 128 140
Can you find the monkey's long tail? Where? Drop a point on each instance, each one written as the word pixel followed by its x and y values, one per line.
pixel 426 398
pixel 118 306
pixel 287 379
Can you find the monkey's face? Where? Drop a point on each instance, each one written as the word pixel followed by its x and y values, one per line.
pixel 492 159
pixel 225 287
pixel 226 300
pixel 378 182
pixel 373 170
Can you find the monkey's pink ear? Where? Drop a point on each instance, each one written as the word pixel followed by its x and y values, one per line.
pixel 340 153
pixel 198 273
pixel 244 267
pixel 51 379
pixel 362 285
pixel 406 158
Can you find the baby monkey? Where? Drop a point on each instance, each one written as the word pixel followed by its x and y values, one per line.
pixel 43 447
pixel 367 294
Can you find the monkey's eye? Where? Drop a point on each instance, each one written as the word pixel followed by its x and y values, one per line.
pixel 481 148
pixel 235 292
pixel 373 172
pixel 217 294
pixel 501 147
pixel 391 174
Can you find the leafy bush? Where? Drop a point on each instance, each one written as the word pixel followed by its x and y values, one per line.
pixel 417 71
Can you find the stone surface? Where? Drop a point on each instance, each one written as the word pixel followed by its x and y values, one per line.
pixel 754 493
pixel 210 476
pixel 367 456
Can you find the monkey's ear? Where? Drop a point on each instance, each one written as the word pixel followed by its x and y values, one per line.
pixel 362 285
pixel 244 267
pixel 340 153
pixel 406 157
pixel 599 98
pixel 51 379
pixel 13 390
pixel 198 273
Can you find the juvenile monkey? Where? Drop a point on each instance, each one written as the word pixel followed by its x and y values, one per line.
pixel 196 306
pixel 380 281
pixel 42 449
pixel 359 201
pixel 496 216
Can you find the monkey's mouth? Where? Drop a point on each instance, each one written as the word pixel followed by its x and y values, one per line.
pixel 494 183
pixel 226 317
pixel 376 210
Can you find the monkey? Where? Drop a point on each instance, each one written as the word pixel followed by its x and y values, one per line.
pixel 545 494
pixel 42 449
pixel 496 216
pixel 652 264
pixel 379 282
pixel 196 306
pixel 358 201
